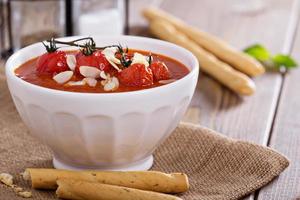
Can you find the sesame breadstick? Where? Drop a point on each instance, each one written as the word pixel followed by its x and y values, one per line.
pixel 82 190
pixel 144 180
pixel 221 71
pixel 216 46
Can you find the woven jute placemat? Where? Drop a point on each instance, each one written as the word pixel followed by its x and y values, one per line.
pixel 218 167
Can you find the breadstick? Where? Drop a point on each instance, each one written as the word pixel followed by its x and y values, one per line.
pixel 81 190
pixel 144 180
pixel 218 47
pixel 221 71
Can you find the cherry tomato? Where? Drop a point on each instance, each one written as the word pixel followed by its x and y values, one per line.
pixel 52 63
pixel 102 62
pixel 97 59
pixel 136 75
pixel 128 56
pixel 160 71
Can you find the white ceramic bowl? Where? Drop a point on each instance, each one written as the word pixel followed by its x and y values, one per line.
pixel 115 131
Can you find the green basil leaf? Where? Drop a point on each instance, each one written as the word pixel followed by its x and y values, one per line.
pixel 258 51
pixel 284 60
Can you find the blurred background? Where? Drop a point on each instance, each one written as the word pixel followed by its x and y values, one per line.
pixel 23 22
pixel 27 21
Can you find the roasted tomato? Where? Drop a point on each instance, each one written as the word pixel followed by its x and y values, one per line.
pixel 52 63
pixel 136 75
pixel 102 61
pixel 128 56
pixel 96 59
pixel 160 71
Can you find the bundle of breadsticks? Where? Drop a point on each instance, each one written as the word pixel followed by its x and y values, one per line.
pixel 109 185
pixel 226 64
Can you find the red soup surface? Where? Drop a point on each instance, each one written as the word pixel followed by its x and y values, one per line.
pixel 28 72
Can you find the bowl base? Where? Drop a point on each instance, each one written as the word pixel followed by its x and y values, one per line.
pixel 141 165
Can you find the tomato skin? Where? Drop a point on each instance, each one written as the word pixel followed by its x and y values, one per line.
pixel 97 59
pixel 83 60
pixel 52 63
pixel 136 75
pixel 102 61
pixel 160 71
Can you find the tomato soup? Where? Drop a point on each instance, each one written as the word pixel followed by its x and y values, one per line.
pixel 72 71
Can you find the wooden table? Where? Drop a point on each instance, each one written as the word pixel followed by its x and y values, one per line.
pixel 270 117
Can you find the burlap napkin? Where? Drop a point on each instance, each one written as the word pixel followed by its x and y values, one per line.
pixel 218 167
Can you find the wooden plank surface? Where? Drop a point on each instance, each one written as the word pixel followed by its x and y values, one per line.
pixel 247 118
pixel 286 136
